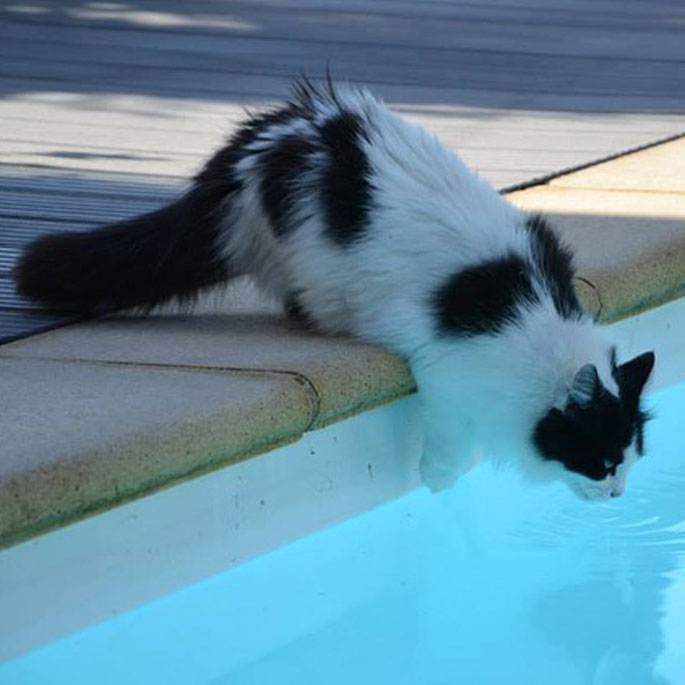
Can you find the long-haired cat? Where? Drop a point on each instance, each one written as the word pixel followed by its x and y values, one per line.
pixel 364 224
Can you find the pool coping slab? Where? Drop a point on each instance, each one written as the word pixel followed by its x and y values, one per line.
pixel 628 259
pixel 81 437
pixel 342 376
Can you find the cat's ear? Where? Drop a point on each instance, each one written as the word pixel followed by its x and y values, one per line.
pixel 586 386
pixel 633 375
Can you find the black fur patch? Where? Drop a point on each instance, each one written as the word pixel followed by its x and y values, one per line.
pixel 282 169
pixel 631 378
pixel 587 440
pixel 294 310
pixel 641 418
pixel 142 262
pixel 306 94
pixel 555 263
pixel 345 190
pixel 590 440
pixel 219 171
pixel 483 298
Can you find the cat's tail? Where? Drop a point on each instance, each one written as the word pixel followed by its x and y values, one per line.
pixel 171 253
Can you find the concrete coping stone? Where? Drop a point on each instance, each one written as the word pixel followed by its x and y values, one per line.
pixel 97 414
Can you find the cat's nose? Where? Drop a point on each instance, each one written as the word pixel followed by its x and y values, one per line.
pixel 617 492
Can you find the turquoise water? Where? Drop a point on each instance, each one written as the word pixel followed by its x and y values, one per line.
pixel 493 583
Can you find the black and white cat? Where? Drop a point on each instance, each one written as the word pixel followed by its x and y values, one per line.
pixel 364 224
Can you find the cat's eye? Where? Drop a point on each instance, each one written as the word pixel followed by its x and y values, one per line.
pixel 610 466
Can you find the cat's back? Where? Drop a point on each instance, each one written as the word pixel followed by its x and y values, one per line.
pixel 388 214
pixel 403 169
pixel 370 212
pixel 340 156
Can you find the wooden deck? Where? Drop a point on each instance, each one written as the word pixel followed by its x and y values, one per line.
pixel 106 107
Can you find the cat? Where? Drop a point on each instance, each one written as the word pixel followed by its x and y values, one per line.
pixel 364 224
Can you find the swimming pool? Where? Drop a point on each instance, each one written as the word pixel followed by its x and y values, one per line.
pixel 491 582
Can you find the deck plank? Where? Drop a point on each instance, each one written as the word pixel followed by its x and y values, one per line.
pixel 461 25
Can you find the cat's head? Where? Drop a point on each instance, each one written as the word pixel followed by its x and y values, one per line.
pixel 597 435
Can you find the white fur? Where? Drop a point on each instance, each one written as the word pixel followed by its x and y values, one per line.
pixel 431 217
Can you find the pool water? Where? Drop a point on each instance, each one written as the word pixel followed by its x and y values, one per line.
pixel 493 582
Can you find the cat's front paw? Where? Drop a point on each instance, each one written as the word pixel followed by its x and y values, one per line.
pixel 437 474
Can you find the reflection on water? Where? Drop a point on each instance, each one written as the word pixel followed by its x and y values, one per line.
pixel 490 583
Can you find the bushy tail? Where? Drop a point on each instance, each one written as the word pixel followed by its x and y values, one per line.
pixel 171 253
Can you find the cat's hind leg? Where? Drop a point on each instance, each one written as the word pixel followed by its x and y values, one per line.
pixel 294 310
